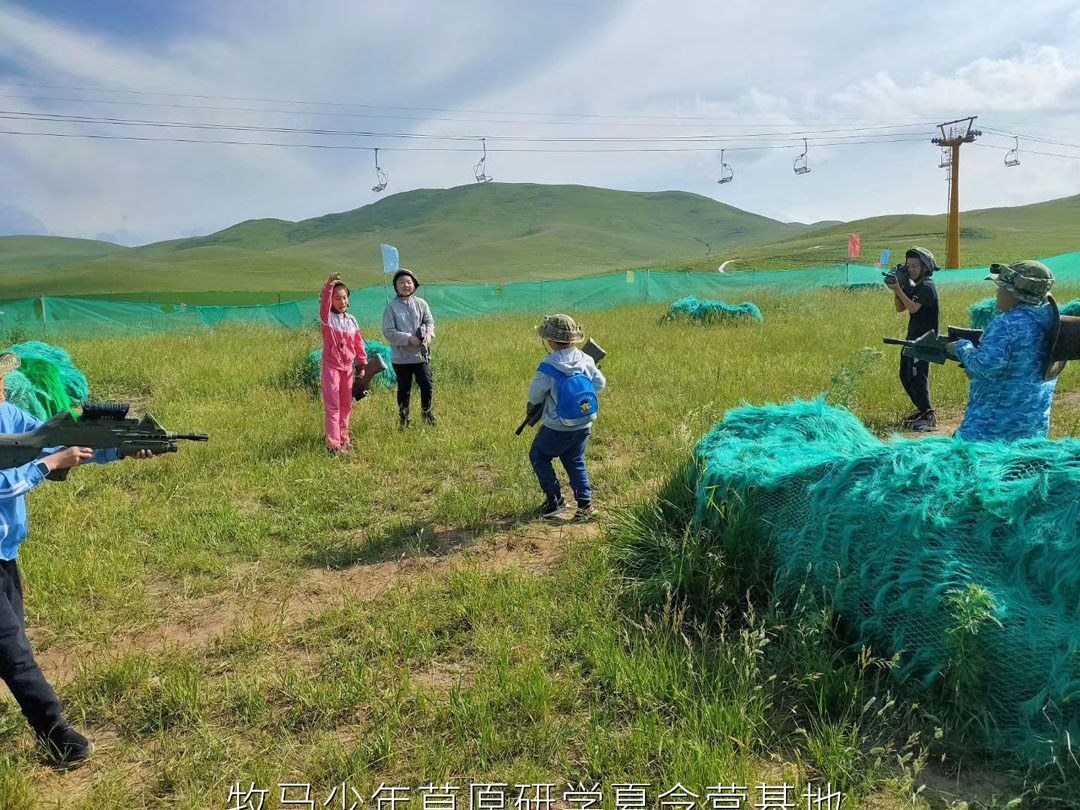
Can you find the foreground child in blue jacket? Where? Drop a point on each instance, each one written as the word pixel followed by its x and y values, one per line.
pixel 18 669
pixel 567 383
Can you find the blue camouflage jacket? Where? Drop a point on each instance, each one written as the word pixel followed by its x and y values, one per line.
pixel 1009 399
pixel 17 481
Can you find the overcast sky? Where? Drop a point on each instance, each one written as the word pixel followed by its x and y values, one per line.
pixel 669 69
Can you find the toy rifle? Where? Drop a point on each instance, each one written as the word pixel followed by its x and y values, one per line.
pixel 102 425
pixel 930 347
pixel 536 411
pixel 361 385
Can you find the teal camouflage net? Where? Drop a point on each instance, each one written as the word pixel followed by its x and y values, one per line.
pixel 46 382
pixel 984 311
pixel 311 373
pixel 961 558
pixel 711 311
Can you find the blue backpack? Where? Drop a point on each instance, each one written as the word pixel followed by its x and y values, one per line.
pixel 576 402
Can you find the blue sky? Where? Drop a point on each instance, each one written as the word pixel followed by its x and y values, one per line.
pixel 696 67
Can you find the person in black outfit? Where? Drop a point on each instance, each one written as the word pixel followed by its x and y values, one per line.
pixel 918 297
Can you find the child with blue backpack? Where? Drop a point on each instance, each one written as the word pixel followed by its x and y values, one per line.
pixel 567 383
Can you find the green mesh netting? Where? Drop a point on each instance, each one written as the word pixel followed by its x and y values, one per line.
pixel 311 372
pixel 912 542
pixel 46 381
pixel 74 381
pixel 713 311
pixel 22 393
pixel 50 317
pixel 982 312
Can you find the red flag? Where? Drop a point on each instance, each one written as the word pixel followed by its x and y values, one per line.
pixel 854 245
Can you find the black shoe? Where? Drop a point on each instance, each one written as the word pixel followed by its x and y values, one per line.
pixel 585 512
pixel 403 418
pixel 926 423
pixel 911 417
pixel 553 506
pixel 65 747
pixel 429 417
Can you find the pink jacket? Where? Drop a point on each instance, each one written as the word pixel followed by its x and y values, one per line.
pixel 341 338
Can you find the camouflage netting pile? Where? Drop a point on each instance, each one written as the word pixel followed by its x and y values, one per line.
pixel 984 311
pixel 962 558
pixel 712 311
pixel 46 381
pixel 311 372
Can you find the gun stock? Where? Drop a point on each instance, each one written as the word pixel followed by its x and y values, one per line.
pixel 535 412
pixel 362 382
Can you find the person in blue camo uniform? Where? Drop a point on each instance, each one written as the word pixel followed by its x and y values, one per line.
pixel 1009 398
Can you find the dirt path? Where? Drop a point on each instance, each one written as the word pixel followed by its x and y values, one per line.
pixel 534 546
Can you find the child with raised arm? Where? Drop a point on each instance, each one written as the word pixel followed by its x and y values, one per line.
pixel 342 345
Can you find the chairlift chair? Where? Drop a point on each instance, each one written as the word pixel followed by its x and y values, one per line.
pixel 481 165
pixel 946 158
pixel 800 162
pixel 726 172
pixel 1012 157
pixel 380 176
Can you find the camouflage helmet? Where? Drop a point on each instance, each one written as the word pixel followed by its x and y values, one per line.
pixel 9 361
pixel 561 329
pixel 929 263
pixel 1029 281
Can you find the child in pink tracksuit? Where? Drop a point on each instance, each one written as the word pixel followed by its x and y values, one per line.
pixel 342 344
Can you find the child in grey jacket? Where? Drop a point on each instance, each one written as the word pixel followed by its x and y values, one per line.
pixel 409 329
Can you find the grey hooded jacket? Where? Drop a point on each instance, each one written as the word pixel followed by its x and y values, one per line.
pixel 401 320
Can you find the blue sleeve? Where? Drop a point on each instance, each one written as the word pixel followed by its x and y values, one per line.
pixel 17 481
pixel 990 359
pixel 105 456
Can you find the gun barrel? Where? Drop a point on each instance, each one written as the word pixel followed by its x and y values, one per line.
pixel 194 437
pixel 896 342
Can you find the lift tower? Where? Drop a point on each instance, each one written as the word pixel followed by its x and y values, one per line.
pixel 954 133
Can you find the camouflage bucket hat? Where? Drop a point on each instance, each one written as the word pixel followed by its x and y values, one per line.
pixel 9 361
pixel 561 329
pixel 1028 280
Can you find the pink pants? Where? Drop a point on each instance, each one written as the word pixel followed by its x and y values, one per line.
pixel 337 398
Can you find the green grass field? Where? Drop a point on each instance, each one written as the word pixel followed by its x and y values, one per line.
pixel 253 610
pixel 499 233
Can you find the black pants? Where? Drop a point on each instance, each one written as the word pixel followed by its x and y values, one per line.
pixel 406 372
pixel 915 377
pixel 18 668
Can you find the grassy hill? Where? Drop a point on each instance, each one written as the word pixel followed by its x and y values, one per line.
pixel 496 232
pixel 987 235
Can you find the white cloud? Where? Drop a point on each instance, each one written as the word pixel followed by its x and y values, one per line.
pixel 788 68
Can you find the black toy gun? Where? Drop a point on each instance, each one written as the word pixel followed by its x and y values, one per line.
pixel 931 346
pixel 536 411
pixel 361 385
pixel 101 426
pixel 898 275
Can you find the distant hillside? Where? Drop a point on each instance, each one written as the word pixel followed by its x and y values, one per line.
pixel 494 232
pixel 503 232
pixel 987 235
